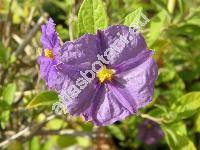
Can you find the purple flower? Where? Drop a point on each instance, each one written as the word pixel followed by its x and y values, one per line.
pixel 150 132
pixel 50 56
pixel 108 76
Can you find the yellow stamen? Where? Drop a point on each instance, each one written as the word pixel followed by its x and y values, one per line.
pixel 48 53
pixel 105 74
pixel 149 126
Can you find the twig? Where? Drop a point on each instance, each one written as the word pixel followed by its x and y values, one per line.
pixel 19 134
pixel 39 127
pixel 31 15
pixel 3 76
pixel 64 132
pixel 31 34
pixel 158 120
pixel 71 19
pixel 27 131
pixel 102 141
pixel 7 26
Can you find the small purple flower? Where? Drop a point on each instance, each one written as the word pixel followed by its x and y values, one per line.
pixel 108 76
pixel 50 56
pixel 150 132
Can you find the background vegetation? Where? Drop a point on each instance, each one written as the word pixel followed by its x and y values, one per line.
pixel 173 32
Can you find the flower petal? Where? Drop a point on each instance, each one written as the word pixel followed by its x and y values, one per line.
pixel 82 51
pixel 45 65
pixel 80 104
pixel 55 79
pixel 49 37
pixel 139 81
pixel 107 108
pixel 150 132
pixel 125 42
pixel 133 62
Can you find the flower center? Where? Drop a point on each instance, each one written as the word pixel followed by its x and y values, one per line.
pixel 149 126
pixel 48 53
pixel 105 74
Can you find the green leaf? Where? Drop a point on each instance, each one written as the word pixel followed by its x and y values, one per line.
pixel 4 118
pixel 63 32
pixel 156 26
pixel 197 123
pixel 181 6
pixel 59 4
pixel 133 17
pixel 8 93
pixel 83 141
pixel 87 127
pixel 34 144
pixel 190 30
pixel 176 136
pixel 194 19
pixel 160 4
pixel 159 112
pixel 166 74
pixel 116 131
pixel 66 141
pixel 92 16
pixel 184 144
pixel 4 106
pixel 49 144
pixel 16 145
pixel 187 105
pixel 55 124
pixel 4 54
pixel 44 98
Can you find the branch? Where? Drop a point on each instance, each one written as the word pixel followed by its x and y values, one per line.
pixel 31 34
pixel 27 131
pixel 72 17
pixel 19 134
pixel 7 26
pixel 64 132
pixel 158 120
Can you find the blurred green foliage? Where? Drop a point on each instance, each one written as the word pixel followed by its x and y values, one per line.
pixel 173 32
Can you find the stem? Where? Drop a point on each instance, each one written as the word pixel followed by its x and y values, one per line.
pixel 7 26
pixel 19 134
pixel 29 132
pixel 171 5
pixel 30 35
pixel 71 19
pixel 158 120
